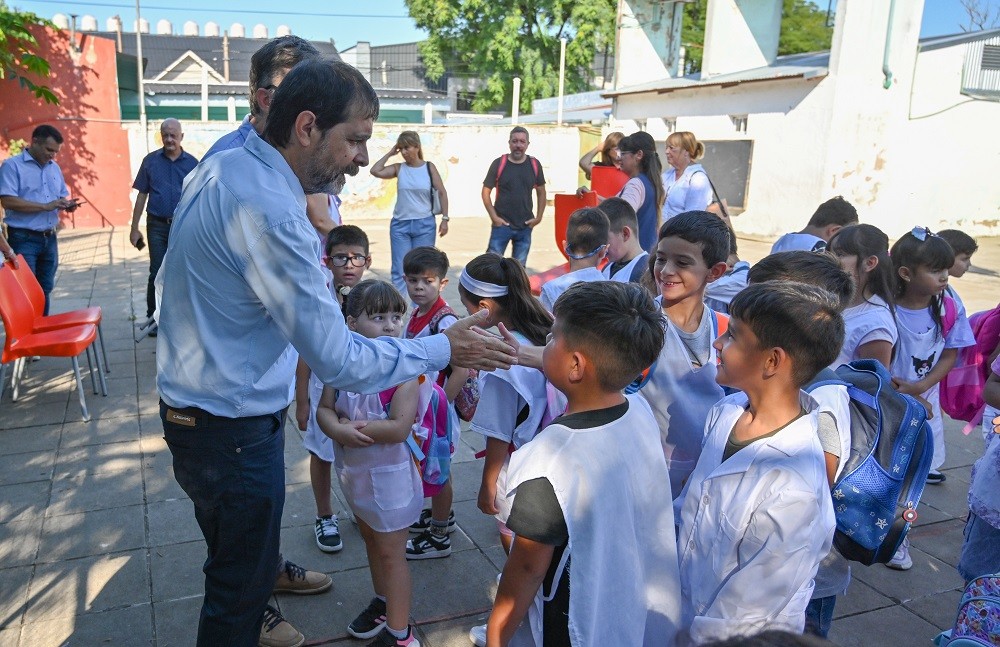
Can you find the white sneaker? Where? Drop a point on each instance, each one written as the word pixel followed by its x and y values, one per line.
pixel 478 636
pixel 901 560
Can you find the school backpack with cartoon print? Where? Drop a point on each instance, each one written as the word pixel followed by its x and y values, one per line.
pixel 468 398
pixel 978 621
pixel 876 496
pixel 431 440
pixel 961 392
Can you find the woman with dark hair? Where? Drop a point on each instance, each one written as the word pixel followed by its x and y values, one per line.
pixel 413 220
pixel 643 190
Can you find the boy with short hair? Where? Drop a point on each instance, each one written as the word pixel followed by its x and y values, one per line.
pixel 681 388
pixel 829 218
pixel 346 257
pixel 626 257
pixel 964 247
pixel 757 517
pixel 586 244
pixel 425 270
pixel 594 463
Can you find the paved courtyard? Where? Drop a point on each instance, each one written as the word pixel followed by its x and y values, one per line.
pixel 99 546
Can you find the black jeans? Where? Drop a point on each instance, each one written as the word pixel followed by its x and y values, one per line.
pixel 157 235
pixel 233 470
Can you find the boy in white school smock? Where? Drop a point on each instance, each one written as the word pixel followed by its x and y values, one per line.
pixel 757 517
pixel 586 244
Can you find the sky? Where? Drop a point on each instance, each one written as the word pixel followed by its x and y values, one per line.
pixel 381 22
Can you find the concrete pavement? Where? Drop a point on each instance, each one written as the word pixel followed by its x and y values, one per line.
pixel 98 544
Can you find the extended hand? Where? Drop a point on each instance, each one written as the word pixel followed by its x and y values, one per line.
pixel 470 349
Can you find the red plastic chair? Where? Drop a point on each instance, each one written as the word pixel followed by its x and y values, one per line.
pixel 607 181
pixel 22 342
pixel 43 323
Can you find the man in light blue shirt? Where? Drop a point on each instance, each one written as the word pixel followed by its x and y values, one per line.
pixel 241 282
pixel 33 191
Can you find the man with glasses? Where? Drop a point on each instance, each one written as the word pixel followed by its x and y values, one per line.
pixel 514 176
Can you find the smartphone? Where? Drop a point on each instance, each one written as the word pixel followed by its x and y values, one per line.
pixel 140 244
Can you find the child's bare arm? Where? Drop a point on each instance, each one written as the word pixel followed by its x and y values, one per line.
pixel 496 453
pixel 457 379
pixel 522 576
pixel 879 349
pixel 302 374
pixel 402 413
pixel 344 431
pixel 991 392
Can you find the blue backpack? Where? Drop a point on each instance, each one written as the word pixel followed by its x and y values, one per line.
pixel 978 621
pixel 876 497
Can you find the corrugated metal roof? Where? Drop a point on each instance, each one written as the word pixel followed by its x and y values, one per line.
pixel 808 65
pixel 939 42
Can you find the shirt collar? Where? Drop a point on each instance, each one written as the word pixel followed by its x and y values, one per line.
pixel 26 156
pixel 270 156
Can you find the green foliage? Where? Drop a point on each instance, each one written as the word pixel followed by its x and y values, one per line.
pixel 16 147
pixel 17 52
pixel 803 29
pixel 496 40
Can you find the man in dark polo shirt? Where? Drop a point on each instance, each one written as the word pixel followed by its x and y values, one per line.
pixel 514 176
pixel 160 179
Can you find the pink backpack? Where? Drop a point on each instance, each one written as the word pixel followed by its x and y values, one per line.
pixel 961 391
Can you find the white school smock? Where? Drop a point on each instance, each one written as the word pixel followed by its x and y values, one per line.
pixel 380 482
pixel 625 273
pixel 868 321
pixel 529 385
pixel 798 241
pixel 624 588
pixel 918 349
pixel 554 288
pixel 753 529
pixel 681 396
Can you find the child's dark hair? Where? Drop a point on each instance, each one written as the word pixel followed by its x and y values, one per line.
pixel 346 235
pixel 587 230
pixel 733 246
pixel 620 215
pixel 822 270
pixel 865 241
pixel 961 242
pixel 933 252
pixel 372 296
pixel 425 259
pixel 702 228
pixel 772 638
pixel 802 319
pixel 835 211
pixel 525 313
pixel 616 325
pixel 650 166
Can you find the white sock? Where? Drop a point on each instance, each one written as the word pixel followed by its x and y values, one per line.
pixel 399 633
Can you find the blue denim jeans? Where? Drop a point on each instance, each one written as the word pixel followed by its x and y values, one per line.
pixel 404 235
pixel 980 550
pixel 41 253
pixel 520 239
pixel 819 616
pixel 233 470
pixel 157 235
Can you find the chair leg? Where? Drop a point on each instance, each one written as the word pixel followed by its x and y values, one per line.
pixel 15 379
pixel 79 389
pixel 90 367
pixel 100 374
pixel 3 376
pixel 104 351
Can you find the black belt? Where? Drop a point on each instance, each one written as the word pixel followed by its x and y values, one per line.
pixel 192 416
pixel 161 218
pixel 43 234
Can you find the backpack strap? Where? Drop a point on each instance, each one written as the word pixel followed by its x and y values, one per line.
pixel 949 315
pixel 430 178
pixel 440 314
pixel 720 324
pixel 534 168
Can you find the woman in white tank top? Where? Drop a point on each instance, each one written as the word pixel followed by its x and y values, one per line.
pixel 413 223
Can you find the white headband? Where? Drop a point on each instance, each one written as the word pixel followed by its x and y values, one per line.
pixel 481 288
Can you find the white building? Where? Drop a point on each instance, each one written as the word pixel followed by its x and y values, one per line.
pixel 905 129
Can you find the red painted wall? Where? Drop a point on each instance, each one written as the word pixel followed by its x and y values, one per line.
pixel 94 157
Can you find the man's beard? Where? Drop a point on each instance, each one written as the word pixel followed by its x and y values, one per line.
pixel 320 180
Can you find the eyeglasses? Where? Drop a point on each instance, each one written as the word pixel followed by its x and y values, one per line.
pixel 921 233
pixel 340 260
pixel 576 257
pixel 621 152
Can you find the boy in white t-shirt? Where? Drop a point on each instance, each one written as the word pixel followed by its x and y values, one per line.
pixel 757 517
pixel 586 245
pixel 594 559
pixel 828 219
pixel 964 247
pixel 626 258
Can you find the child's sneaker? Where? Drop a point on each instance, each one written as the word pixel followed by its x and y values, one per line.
pixel 901 560
pixel 427 545
pixel 424 522
pixel 936 478
pixel 386 639
pixel 370 621
pixel 478 636
pixel 328 534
